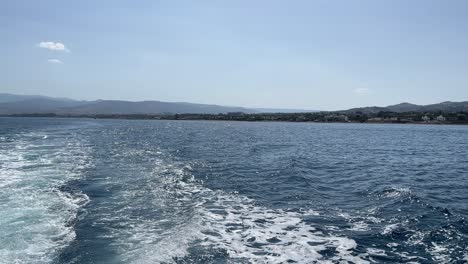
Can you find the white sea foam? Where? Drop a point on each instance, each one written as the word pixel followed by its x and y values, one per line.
pixel 376 252
pixel 361 221
pixel 35 216
pixel 360 226
pixel 396 192
pixel 440 253
pixel 389 228
pixel 264 235
pixel 231 223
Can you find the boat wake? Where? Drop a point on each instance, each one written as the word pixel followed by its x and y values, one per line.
pixel 36 217
pixel 197 221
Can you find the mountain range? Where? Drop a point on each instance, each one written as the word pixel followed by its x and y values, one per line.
pixel 28 104
pixel 446 107
pixel 38 104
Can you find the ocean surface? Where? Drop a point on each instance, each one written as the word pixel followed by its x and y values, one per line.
pixel 124 191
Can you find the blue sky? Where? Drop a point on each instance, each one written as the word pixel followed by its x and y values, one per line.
pixel 307 54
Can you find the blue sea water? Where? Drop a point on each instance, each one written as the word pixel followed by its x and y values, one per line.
pixel 123 191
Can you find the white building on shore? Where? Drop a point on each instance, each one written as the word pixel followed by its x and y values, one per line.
pixel 441 118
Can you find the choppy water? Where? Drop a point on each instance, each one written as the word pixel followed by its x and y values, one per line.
pixel 112 191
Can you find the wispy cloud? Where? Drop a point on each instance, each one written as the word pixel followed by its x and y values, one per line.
pixel 50 45
pixel 54 61
pixel 362 91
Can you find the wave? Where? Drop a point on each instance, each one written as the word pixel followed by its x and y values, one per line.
pixel 36 217
pixel 419 231
pixel 195 221
pixel 196 224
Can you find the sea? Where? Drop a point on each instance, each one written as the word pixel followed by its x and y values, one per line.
pixel 153 191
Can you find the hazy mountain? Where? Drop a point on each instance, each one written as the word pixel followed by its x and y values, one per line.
pixel 404 107
pixel 407 107
pixel 22 104
pixel 148 107
pixel 8 98
pixel 366 110
pixel 446 107
pixel 28 104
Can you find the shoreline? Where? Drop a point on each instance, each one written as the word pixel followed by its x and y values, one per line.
pixel 172 118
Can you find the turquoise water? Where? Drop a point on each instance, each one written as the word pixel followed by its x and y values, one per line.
pixel 120 191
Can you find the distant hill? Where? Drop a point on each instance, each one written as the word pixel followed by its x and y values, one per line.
pixel 9 98
pixel 446 107
pixel 404 107
pixel 28 104
pixel 148 107
pixel 17 104
pixel 37 104
pixel 22 104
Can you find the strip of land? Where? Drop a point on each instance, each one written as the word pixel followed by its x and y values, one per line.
pixel 319 117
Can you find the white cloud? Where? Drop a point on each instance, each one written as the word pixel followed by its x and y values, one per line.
pixel 50 45
pixel 54 61
pixel 362 91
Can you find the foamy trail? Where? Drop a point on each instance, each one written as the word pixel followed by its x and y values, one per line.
pixel 36 217
pixel 214 222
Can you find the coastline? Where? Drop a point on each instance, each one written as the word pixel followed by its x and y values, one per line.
pixel 209 117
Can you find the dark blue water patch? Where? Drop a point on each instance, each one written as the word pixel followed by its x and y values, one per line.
pixel 205 255
pixel 90 245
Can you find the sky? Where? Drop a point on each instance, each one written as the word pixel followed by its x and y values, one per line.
pixel 301 54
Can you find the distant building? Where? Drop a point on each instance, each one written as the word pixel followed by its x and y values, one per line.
pixel 426 118
pixel 440 118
